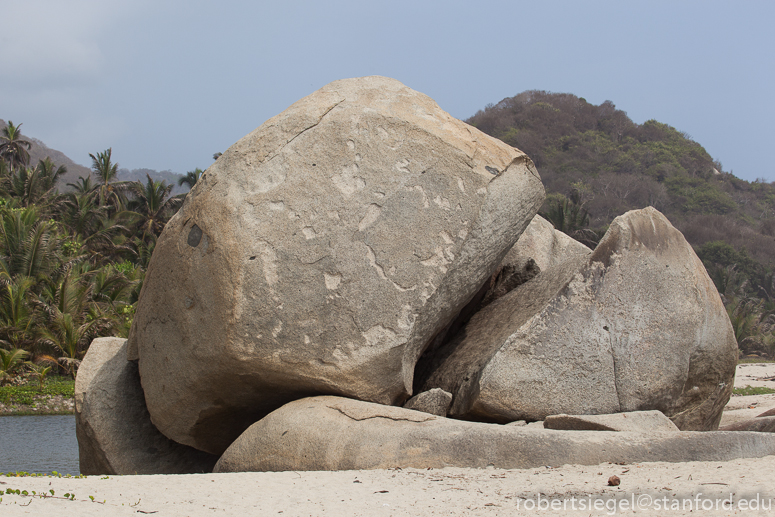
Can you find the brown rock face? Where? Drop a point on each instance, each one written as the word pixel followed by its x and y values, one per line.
pixel 640 326
pixel 319 255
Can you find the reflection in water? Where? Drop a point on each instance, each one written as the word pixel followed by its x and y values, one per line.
pixel 39 444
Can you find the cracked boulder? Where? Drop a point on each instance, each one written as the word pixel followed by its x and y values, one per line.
pixel 637 326
pixel 114 431
pixel 332 433
pixel 319 255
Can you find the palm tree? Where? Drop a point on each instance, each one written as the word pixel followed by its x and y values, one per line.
pixel 71 318
pixel 37 186
pixel 81 214
pixel 10 361
pixel 569 216
pixel 83 185
pixel 107 171
pixel 17 318
pixel 28 243
pixel 50 174
pixel 153 204
pixel 102 165
pixel 13 148
pixel 190 178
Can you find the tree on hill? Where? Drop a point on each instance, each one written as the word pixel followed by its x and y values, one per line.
pixel 13 148
pixel 153 205
pixel 106 172
pixel 190 178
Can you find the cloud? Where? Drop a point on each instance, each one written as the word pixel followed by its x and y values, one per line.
pixel 48 42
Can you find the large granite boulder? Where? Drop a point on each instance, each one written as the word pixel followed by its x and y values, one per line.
pixel 114 431
pixel 637 326
pixel 320 254
pixel 332 433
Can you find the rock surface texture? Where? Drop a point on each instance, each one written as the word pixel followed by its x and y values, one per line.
pixel 332 433
pixel 635 421
pixel 320 254
pixel 114 430
pixel 638 325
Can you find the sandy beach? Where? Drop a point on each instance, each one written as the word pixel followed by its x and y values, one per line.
pixel 714 488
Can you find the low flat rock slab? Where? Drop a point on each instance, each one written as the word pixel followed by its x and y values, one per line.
pixel 333 433
pixel 760 424
pixel 635 421
pixel 113 427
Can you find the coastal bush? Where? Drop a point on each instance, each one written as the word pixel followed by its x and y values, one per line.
pixel 25 394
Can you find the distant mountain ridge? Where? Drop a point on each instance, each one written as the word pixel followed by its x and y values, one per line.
pixel 40 151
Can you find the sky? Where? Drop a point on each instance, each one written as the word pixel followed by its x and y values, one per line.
pixel 167 83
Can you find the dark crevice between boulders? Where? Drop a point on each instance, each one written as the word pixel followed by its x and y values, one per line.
pixel 505 279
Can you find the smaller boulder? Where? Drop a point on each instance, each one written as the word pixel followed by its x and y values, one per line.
pixel 635 421
pixel 769 412
pixel 760 424
pixel 113 427
pixel 637 325
pixel 435 401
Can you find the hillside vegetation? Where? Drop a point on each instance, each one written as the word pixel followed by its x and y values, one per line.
pixel 596 164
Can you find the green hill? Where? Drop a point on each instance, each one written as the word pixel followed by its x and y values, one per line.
pixel 596 164
pixel 599 158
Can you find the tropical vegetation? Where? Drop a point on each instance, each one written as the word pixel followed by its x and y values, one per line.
pixel 72 262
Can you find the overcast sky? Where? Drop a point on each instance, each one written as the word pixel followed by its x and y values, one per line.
pixel 166 83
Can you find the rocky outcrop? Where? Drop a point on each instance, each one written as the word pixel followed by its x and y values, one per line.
pixel 114 431
pixel 332 433
pixel 320 255
pixel 637 326
pixel 635 421
pixel 364 246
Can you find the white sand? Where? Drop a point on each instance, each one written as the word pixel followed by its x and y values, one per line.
pixel 744 408
pixel 451 491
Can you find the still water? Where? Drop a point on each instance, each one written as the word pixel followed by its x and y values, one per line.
pixel 39 444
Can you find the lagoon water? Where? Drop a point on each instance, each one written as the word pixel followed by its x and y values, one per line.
pixel 39 444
